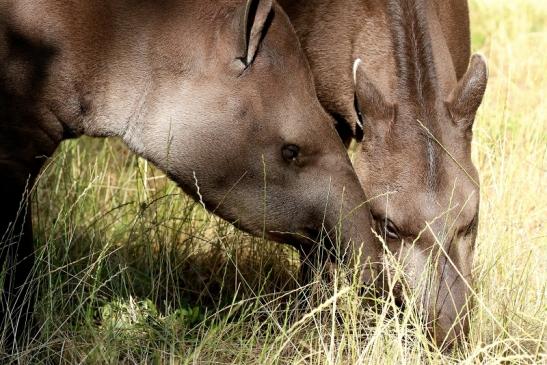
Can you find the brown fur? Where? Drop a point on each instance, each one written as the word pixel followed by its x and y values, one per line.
pixel 417 121
pixel 210 92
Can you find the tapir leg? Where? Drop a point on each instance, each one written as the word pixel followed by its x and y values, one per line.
pixel 16 253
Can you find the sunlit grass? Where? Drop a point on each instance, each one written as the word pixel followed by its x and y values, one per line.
pixel 130 270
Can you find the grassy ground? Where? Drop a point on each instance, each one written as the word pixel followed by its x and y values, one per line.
pixel 132 271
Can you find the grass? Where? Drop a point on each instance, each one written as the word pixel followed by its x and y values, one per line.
pixel 132 271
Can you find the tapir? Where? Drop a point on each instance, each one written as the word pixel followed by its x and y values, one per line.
pixel 217 94
pixel 397 76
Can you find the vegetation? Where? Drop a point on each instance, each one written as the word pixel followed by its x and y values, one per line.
pixel 130 270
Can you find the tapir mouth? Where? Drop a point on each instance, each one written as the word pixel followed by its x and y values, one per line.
pixel 305 236
pixel 444 313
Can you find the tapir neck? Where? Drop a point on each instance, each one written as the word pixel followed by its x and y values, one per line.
pixel 95 70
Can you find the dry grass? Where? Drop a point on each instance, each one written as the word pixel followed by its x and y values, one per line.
pixel 131 271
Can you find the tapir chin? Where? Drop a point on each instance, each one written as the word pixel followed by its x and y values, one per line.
pixel 218 95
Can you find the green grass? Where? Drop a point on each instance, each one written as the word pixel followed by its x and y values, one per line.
pixel 132 271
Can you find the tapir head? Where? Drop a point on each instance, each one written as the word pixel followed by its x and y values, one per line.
pixel 236 122
pixel 415 159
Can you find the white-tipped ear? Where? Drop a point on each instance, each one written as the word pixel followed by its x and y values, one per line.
pixel 356 64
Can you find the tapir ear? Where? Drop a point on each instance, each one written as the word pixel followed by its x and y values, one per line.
pixel 370 102
pixel 466 97
pixel 254 24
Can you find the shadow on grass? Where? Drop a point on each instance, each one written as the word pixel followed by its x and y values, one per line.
pixel 124 260
pixel 143 292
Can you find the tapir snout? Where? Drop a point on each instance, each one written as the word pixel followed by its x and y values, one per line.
pixel 436 268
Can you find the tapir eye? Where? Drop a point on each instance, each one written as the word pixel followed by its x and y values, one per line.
pixel 387 228
pixel 290 152
pixel 391 230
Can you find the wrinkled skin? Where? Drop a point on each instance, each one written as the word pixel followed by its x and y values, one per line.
pixel 219 96
pixel 401 70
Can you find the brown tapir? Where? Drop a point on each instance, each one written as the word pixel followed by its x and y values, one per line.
pixel 218 95
pixel 399 69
